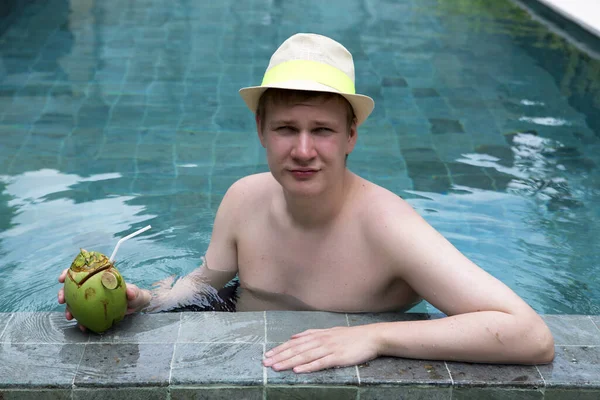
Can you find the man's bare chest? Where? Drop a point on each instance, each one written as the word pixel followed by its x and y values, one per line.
pixel 337 272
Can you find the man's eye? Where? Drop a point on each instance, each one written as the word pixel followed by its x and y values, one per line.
pixel 323 130
pixel 284 128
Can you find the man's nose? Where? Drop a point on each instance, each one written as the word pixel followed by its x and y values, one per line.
pixel 304 147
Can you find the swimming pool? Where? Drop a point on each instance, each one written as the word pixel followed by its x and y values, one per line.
pixel 116 115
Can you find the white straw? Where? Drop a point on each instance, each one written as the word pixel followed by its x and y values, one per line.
pixel 144 229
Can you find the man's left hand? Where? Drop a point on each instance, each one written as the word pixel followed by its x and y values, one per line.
pixel 317 349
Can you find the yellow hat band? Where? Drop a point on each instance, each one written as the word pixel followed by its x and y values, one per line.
pixel 299 70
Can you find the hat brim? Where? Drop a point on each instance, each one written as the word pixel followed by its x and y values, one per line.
pixel 362 105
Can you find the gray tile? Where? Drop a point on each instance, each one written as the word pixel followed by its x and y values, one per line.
pixel 4 319
pixel 216 327
pixel 142 328
pixel 494 393
pixel 209 364
pixel 372 318
pixel 217 393
pixel 38 327
pixel 572 394
pixel 332 376
pixel 310 393
pixel 30 365
pixel 405 393
pixel 573 365
pixel 596 321
pixel 467 374
pixel 155 393
pixel 117 365
pixel 25 394
pixel 572 330
pixel 387 370
pixel 283 324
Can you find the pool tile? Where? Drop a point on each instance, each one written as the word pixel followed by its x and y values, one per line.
pixel 32 365
pixel 331 376
pixel 219 327
pixel 444 125
pixel 4 320
pixel 42 327
pixel 482 181
pixel 26 394
pixel 155 393
pixel 395 81
pixel 425 92
pixel 390 370
pixel 371 318
pixel 596 321
pixel 310 393
pixel 281 325
pixel 217 393
pixel 421 392
pixel 573 330
pixel 495 393
pixel 210 364
pixel 571 394
pixel 118 365
pixel 468 374
pixel 142 328
pixel 573 366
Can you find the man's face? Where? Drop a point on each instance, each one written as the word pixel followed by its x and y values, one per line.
pixel 307 144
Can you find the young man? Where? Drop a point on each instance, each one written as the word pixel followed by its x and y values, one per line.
pixel 311 235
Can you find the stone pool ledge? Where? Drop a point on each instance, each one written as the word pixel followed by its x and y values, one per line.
pixel 218 355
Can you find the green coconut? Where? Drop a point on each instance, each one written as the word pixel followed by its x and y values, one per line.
pixel 95 291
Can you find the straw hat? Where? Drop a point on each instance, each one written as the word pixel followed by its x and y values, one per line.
pixel 311 62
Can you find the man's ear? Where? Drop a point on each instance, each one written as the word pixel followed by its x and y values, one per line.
pixel 352 137
pixel 259 130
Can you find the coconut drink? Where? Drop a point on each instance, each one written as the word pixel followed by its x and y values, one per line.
pixel 95 291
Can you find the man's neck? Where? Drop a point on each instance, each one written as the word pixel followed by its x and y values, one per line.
pixel 319 211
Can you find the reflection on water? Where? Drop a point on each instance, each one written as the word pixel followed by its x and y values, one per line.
pixel 45 234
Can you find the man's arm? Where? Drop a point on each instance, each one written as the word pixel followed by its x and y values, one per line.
pixel 218 267
pixel 487 322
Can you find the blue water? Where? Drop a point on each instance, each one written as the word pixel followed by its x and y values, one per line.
pixel 119 114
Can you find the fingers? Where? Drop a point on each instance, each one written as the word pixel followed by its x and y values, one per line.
pixel 132 291
pixel 63 275
pixel 61 296
pixel 137 298
pixel 307 357
pixel 301 354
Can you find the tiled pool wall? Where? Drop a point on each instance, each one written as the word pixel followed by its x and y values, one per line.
pixel 218 355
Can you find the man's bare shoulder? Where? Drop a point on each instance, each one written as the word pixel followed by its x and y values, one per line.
pixel 379 203
pixel 387 220
pixel 249 190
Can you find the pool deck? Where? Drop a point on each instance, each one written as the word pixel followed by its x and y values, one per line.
pixel 577 21
pixel 585 13
pixel 218 355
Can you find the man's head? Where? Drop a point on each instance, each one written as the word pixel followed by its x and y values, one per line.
pixel 310 62
pixel 307 113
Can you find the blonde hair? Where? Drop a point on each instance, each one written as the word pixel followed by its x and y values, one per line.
pixel 288 96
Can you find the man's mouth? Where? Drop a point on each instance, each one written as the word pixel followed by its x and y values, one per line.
pixel 303 172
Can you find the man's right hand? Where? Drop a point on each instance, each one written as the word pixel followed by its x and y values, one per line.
pixel 137 299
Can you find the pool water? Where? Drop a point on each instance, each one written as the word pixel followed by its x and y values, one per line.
pixel 115 115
